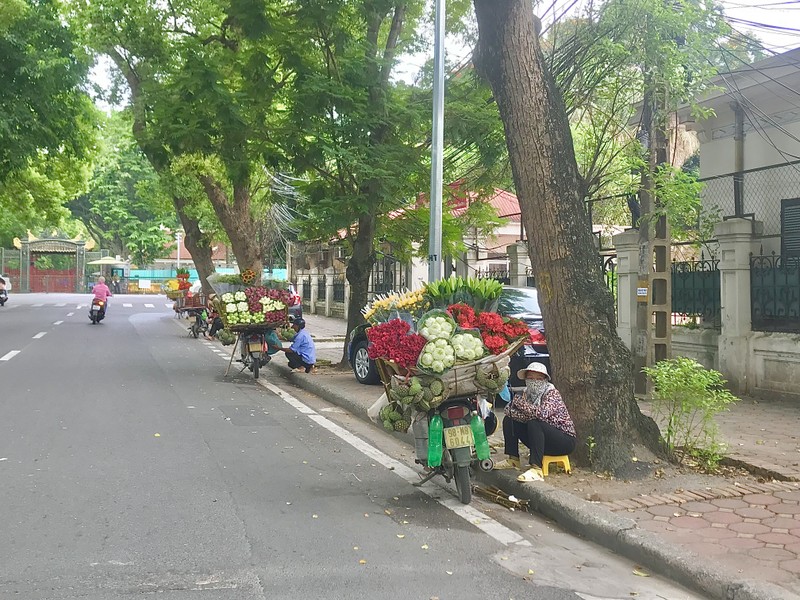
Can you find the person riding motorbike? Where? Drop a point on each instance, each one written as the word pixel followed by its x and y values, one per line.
pixel 101 292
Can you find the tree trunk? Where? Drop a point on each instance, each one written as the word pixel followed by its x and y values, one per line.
pixel 196 243
pixel 359 268
pixel 591 365
pixel 238 223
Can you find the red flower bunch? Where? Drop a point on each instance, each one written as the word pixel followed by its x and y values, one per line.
pixel 489 322
pixel 392 341
pixel 495 343
pixel 514 329
pixel 464 315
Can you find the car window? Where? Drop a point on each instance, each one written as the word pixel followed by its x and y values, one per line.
pixel 514 301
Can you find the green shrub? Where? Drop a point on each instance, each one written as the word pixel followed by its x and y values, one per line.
pixel 686 398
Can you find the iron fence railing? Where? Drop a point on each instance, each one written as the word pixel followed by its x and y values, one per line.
pixel 501 275
pixel 307 289
pixel 775 293
pixel 322 283
pixel 696 292
pixel 608 265
pixel 338 288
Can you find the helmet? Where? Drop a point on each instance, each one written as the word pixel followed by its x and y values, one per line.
pixel 300 322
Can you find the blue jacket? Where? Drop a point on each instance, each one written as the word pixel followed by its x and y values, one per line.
pixel 304 346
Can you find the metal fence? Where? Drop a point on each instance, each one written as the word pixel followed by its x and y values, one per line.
pixel 696 292
pixel 338 288
pixel 775 293
pixel 307 289
pixel 608 265
pixel 761 195
pixel 501 275
pixel 322 282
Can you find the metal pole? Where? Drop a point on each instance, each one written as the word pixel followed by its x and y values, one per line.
pixel 435 230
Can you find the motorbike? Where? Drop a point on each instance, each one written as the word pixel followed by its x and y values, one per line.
pixel 3 297
pixel 254 351
pixel 452 438
pixel 97 311
pixel 200 325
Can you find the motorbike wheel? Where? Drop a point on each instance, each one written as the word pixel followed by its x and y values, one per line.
pixel 256 367
pixel 463 484
pixel 194 332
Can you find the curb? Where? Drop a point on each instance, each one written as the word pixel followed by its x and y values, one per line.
pixel 594 522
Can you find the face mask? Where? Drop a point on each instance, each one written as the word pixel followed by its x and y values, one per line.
pixel 535 387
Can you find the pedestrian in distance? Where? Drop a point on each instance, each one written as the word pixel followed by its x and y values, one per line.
pixel 302 354
pixel 538 418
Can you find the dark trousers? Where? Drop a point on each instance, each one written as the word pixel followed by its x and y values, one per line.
pixel 216 325
pixel 295 362
pixel 540 437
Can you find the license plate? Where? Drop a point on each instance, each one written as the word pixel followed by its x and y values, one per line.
pixel 458 437
pixel 254 346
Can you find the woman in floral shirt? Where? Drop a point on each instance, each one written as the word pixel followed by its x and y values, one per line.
pixel 539 419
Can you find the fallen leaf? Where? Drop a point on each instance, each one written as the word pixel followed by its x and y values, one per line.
pixel 156 435
pixel 503 558
pixel 387 511
pixel 404 522
pixel 400 536
pixel 362 562
pixel 640 573
pixel 424 546
pixel 449 572
pixel 530 571
pixel 314 517
pixel 355 547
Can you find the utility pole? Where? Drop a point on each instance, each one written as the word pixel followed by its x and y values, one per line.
pixel 437 149
pixel 653 336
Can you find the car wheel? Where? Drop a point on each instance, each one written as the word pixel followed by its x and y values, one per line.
pixel 363 367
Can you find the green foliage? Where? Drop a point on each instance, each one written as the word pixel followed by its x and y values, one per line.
pixel 124 206
pixel 44 114
pixel 686 398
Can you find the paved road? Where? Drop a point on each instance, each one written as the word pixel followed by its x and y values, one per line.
pixel 130 466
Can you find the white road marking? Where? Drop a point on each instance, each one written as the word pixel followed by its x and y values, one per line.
pixel 57 322
pixel 80 306
pixel 41 334
pixel 62 304
pixel 489 526
pixel 127 305
pixel 10 355
pixel 149 306
pixel 168 305
pixel 37 305
pixel 70 314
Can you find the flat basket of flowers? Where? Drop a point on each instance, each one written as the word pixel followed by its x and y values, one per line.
pixel 253 308
pixel 425 355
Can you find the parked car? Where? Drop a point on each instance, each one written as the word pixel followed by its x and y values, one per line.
pixel 521 303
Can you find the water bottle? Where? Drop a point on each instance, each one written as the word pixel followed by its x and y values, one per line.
pixel 479 435
pixel 420 428
pixel 435 429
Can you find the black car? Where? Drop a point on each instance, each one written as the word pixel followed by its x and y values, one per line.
pixel 521 303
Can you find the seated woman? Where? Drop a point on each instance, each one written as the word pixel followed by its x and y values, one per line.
pixel 539 419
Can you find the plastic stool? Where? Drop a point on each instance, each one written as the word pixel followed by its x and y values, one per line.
pixel 563 460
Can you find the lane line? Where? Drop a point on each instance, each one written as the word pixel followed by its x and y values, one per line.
pixel 58 322
pixel 127 305
pixel 39 335
pixel 489 526
pixel 70 314
pixel 149 306
pixel 62 304
pixel 10 355
pixel 37 305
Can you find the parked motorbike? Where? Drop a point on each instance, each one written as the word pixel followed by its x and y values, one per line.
pixel 254 351
pixel 3 297
pixel 200 325
pixel 97 311
pixel 453 438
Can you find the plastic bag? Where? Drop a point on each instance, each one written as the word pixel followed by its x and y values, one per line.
pixel 372 411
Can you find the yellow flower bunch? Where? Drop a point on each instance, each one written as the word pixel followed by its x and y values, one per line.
pixel 380 308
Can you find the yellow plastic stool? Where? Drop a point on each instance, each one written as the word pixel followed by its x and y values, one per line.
pixel 563 460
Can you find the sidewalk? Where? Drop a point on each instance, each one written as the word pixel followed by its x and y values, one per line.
pixel 730 542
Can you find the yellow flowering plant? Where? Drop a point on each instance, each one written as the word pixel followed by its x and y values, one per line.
pixel 386 306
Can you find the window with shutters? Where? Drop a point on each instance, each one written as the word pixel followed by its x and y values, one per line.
pixel 790 227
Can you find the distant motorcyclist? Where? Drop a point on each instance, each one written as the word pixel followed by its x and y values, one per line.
pixel 101 292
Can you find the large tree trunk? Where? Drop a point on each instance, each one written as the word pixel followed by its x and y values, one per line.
pixel 238 223
pixel 196 242
pixel 591 365
pixel 359 268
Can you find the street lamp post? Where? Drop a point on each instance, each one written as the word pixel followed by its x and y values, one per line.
pixel 435 228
